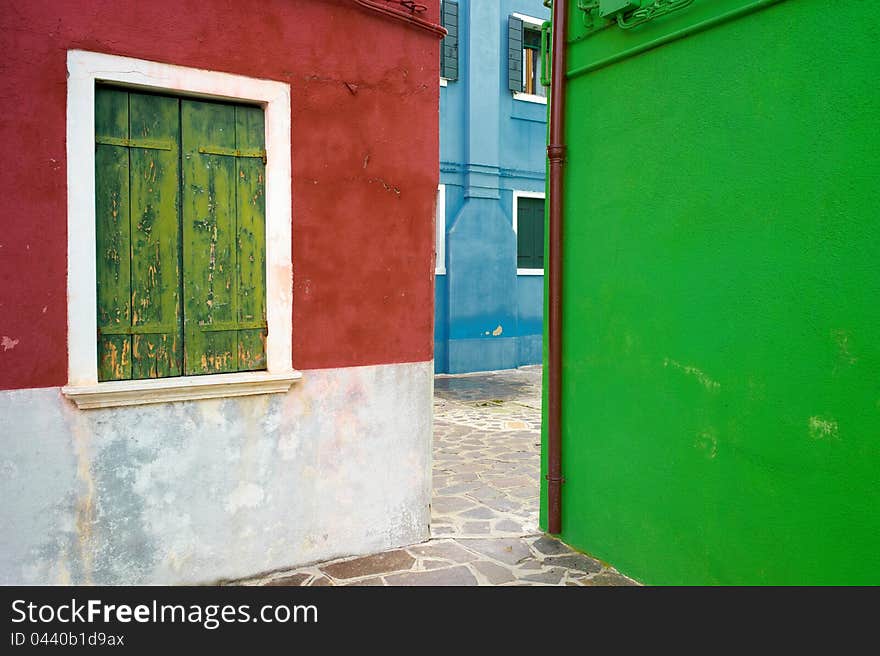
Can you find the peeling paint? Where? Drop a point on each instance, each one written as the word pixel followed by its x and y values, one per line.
pixel 8 343
pixel 386 185
pixel 707 443
pixel 704 380
pixel 821 428
pixel 841 338
pixel 498 331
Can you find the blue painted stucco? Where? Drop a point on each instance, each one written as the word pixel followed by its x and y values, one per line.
pixel 491 144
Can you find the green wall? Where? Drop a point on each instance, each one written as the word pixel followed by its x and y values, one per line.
pixel 721 377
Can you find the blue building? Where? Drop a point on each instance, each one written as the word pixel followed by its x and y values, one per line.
pixel 490 208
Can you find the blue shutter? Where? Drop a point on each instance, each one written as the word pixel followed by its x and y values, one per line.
pixel 514 54
pixel 449 45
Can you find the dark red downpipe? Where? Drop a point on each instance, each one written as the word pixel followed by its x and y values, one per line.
pixel 407 14
pixel 556 155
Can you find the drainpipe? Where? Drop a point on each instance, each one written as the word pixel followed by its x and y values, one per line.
pixel 407 14
pixel 556 156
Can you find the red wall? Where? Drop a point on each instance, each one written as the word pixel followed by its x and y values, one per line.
pixel 364 98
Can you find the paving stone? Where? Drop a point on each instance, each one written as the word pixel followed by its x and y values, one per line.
pixel 502 504
pixel 458 575
pixel 479 513
pixel 485 496
pixel 508 526
pixel 530 564
pixel 575 561
pixel 389 561
pixel 450 504
pixel 495 574
pixel 446 550
pixel 434 564
pixel 458 488
pixel 292 580
pixel 608 578
pixel 553 575
pixel 505 550
pixel 550 546
pixel 476 528
pixel 321 581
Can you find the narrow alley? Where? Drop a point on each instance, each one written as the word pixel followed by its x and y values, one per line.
pixel 484 528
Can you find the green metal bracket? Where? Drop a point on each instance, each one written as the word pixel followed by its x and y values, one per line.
pixel 626 13
pixel 219 326
pixel 150 144
pixel 611 7
pixel 650 11
pixel 149 329
pixel 545 54
pixel 234 152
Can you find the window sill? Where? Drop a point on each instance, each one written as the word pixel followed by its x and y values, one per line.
pixel 530 272
pixel 530 97
pixel 182 388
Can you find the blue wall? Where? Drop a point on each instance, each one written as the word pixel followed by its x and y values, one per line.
pixel 491 144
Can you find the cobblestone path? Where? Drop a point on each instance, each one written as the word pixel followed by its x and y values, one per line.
pixel 484 514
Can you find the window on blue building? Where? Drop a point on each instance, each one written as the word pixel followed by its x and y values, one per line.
pixel 531 54
pixel 524 58
pixel 528 217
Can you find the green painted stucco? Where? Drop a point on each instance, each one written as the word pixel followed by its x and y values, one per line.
pixel 721 376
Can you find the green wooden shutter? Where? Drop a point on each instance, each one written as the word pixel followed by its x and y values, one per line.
pixel 514 54
pixel 223 237
pixel 137 231
pixel 449 45
pixel 530 233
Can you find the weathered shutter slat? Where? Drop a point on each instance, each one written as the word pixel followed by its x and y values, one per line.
pixel 113 244
pixel 524 235
pixel 539 234
pixel 251 239
pixel 449 45
pixel 209 267
pixel 514 54
pixel 155 242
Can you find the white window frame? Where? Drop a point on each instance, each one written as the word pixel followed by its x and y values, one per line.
pixel 440 231
pixel 85 69
pixel 516 196
pixel 444 82
pixel 530 97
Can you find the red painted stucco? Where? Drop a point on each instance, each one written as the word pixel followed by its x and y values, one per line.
pixel 364 98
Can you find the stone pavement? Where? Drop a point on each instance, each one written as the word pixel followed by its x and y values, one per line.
pixel 484 515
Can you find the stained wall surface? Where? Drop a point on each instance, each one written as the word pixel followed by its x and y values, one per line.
pixel 202 491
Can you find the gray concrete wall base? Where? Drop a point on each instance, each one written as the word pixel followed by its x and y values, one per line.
pixel 204 491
